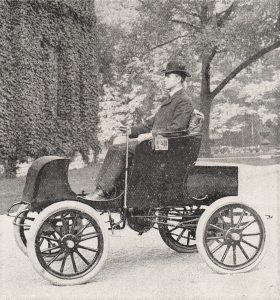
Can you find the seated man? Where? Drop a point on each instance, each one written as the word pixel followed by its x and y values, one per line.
pixel 173 115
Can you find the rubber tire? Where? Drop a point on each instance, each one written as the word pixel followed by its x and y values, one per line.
pixel 201 230
pixel 170 243
pixel 46 213
pixel 18 231
pixel 164 233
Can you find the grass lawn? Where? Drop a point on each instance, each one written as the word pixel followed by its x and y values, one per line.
pixel 11 189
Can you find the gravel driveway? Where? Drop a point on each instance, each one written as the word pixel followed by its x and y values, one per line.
pixel 143 267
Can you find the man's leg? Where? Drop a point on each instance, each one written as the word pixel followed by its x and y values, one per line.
pixel 113 166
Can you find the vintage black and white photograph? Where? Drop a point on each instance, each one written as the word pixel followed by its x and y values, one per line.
pixel 139 149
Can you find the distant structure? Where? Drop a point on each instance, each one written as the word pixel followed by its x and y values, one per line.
pixel 49 79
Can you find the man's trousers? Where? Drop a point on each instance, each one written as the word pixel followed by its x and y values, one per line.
pixel 113 165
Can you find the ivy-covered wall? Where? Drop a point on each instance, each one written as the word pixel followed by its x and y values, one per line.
pixel 49 79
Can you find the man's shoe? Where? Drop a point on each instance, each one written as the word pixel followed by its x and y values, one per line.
pixel 97 195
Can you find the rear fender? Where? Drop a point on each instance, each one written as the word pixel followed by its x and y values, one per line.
pixel 47 182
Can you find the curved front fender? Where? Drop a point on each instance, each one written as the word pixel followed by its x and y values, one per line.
pixel 47 182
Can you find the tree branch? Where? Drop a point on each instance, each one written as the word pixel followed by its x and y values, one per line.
pixel 193 14
pixel 206 64
pixel 244 65
pixel 224 15
pixel 168 42
pixel 184 23
pixel 213 53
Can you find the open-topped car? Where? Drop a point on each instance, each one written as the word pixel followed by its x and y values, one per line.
pixel 192 206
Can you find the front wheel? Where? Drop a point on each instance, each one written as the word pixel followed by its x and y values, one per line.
pixel 68 243
pixel 231 236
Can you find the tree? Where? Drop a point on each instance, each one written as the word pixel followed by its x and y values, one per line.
pixel 206 32
pixel 251 93
pixel 129 87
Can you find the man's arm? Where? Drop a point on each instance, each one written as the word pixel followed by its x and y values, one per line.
pixel 145 127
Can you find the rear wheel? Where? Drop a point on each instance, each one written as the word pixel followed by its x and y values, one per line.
pixel 68 243
pixel 231 236
pixel 177 228
pixel 23 224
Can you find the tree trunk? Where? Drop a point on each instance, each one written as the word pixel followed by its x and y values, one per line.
pixel 205 109
pixel 205 103
pixel 10 167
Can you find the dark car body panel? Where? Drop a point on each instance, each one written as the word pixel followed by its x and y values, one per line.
pixel 169 178
pixel 157 178
pixel 214 181
pixel 47 182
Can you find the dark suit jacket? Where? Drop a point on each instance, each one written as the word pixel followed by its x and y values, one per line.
pixel 173 115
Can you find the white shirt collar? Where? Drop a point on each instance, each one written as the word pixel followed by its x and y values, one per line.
pixel 175 91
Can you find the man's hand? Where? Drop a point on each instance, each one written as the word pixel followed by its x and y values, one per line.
pixel 145 136
pixel 125 129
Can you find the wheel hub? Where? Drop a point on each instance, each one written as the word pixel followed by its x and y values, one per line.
pixel 70 244
pixel 69 241
pixel 233 235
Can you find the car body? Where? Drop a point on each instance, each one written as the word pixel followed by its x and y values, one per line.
pixel 192 205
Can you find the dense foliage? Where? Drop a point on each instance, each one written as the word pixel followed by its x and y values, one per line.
pixel 49 79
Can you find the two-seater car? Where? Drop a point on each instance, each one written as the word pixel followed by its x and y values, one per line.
pixel 192 206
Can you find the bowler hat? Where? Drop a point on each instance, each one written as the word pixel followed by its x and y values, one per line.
pixel 176 67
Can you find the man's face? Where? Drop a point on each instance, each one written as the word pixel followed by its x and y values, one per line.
pixel 171 80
